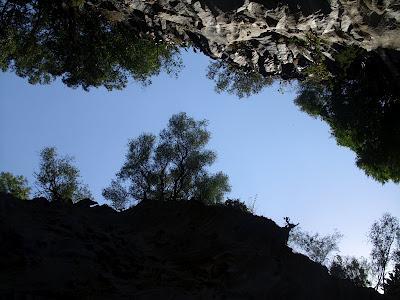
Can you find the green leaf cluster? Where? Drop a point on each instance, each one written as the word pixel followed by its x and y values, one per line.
pixel 45 39
pixel 58 179
pixel 362 107
pixel 172 167
pixel 14 185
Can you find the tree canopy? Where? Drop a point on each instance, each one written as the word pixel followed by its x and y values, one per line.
pixel 58 179
pixel 361 104
pixel 234 80
pixel 71 39
pixel 317 247
pixel 14 185
pixel 172 167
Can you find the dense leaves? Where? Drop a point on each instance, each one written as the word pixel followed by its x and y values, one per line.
pixel 58 179
pixel 362 106
pixel 14 185
pixel 71 39
pixel 172 167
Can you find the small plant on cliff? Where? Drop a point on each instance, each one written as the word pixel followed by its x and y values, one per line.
pixel 172 167
pixel 58 179
pixel 14 185
pixel 237 204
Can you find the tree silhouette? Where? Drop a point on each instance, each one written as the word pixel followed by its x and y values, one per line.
pixel 14 185
pixel 382 236
pixel 58 179
pixel 174 167
pixel 350 268
pixel 392 284
pixel 317 247
pixel 71 39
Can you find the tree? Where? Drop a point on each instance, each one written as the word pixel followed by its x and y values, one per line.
pixel 77 41
pixel 172 168
pixel 14 185
pixel 316 247
pixel 362 112
pixel 392 284
pixel 234 80
pixel 58 179
pixel 350 268
pixel 382 236
pixel 117 194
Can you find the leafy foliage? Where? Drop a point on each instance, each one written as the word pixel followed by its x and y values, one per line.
pixel 172 168
pixel 350 268
pixel 361 111
pixel 14 185
pixel 58 179
pixel 234 80
pixel 44 39
pixel 316 247
pixel 382 236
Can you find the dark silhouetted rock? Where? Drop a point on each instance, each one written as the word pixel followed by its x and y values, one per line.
pixel 156 250
pixel 86 203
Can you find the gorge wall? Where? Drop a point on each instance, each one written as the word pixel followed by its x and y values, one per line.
pixel 278 38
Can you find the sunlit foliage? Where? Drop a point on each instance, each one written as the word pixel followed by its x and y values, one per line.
pixel 58 179
pixel 14 185
pixel 71 39
pixel 172 167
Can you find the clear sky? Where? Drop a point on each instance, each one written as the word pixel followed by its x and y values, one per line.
pixel 269 149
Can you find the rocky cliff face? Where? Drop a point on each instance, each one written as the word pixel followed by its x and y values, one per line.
pixel 156 250
pixel 272 37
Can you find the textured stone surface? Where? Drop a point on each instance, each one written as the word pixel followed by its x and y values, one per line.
pixel 272 37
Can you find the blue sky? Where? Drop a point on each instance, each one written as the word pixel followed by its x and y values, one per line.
pixel 269 149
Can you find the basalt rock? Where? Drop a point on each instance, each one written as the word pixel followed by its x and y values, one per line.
pixel 156 250
pixel 275 38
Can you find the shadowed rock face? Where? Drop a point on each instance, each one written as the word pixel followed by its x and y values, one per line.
pixel 157 250
pixel 272 37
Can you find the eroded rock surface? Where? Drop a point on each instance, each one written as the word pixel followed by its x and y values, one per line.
pixel 272 37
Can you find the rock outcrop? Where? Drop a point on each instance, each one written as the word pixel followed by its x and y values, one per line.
pixel 156 250
pixel 277 38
